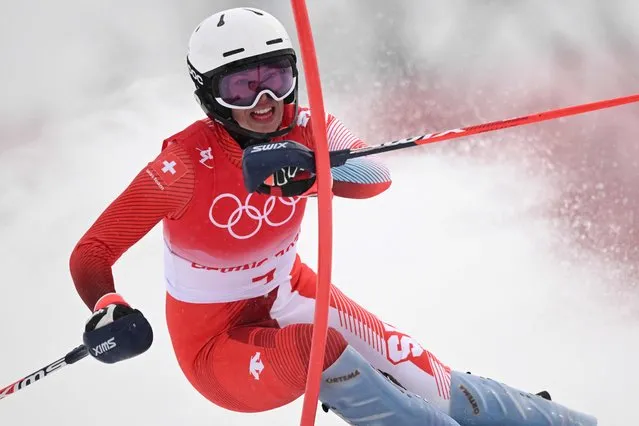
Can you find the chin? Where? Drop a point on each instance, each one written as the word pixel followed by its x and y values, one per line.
pixel 263 128
pixel 266 128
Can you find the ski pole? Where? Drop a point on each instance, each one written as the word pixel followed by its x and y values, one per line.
pixel 72 357
pixel 340 157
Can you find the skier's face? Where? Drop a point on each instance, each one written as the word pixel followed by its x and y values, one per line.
pixel 265 117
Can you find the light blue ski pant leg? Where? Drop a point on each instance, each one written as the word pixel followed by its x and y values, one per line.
pixel 362 396
pixel 477 401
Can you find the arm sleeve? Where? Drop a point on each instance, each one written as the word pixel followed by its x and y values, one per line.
pixel 146 201
pixel 359 177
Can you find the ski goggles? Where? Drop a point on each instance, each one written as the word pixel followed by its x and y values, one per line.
pixel 243 88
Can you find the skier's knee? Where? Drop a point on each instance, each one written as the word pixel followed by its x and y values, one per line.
pixel 335 345
pixel 302 337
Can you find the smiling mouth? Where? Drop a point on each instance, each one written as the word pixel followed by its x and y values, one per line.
pixel 263 114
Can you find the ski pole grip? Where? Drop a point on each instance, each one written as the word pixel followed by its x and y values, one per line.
pixel 76 355
pixel 338 158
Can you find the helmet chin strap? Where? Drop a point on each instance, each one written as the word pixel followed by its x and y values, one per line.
pixel 245 137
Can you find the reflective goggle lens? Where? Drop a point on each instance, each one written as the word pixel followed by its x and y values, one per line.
pixel 242 89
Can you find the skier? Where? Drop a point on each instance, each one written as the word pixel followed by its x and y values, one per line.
pixel 239 301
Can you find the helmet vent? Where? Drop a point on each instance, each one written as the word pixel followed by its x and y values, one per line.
pixel 221 21
pixel 255 12
pixel 274 41
pixel 233 52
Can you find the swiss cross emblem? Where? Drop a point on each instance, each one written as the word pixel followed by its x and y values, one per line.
pixel 167 169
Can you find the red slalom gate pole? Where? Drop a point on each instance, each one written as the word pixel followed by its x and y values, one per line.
pixel 324 200
pixel 339 157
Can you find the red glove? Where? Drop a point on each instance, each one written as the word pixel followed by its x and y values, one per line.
pixel 291 181
pixel 312 191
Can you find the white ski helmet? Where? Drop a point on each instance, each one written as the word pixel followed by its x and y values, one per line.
pixel 231 40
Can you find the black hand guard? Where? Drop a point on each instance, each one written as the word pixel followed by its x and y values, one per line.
pixel 282 161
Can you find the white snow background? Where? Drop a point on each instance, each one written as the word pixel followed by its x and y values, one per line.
pixel 460 252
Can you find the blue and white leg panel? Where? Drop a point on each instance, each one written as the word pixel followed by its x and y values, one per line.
pixel 362 396
pixel 476 401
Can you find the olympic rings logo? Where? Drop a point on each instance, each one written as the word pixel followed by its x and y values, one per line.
pixel 252 212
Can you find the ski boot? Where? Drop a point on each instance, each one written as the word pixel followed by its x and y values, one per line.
pixel 364 396
pixel 477 401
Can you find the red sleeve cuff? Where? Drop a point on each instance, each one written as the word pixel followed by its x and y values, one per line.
pixel 359 190
pixel 109 299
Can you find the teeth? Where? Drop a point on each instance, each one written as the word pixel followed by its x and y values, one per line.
pixel 262 111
